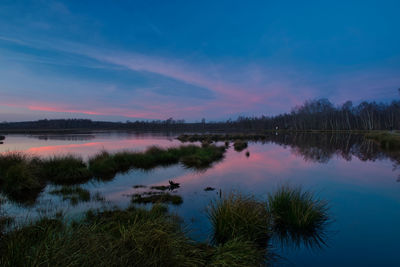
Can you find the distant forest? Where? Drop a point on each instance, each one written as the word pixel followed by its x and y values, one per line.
pixel 318 114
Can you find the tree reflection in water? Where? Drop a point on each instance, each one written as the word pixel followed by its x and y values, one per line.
pixel 321 147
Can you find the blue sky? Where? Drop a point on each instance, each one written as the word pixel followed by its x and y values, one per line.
pixel 128 60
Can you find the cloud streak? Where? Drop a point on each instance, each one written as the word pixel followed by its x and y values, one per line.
pixel 230 96
pixel 237 88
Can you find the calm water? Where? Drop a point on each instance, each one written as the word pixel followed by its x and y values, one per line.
pixel 359 182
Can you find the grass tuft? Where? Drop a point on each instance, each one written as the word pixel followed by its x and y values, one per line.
pixel 111 238
pixel 103 165
pixel 238 253
pixel 298 217
pixel 236 216
pixel 209 188
pixel 66 170
pixel 239 145
pixel 19 177
pixel 160 187
pixel 202 158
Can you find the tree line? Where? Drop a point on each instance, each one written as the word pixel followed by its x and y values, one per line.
pixel 321 114
pixel 318 114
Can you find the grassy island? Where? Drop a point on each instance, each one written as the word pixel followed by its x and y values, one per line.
pixel 24 176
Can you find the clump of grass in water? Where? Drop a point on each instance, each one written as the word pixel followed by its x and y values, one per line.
pixel 387 141
pixel 239 145
pixel 19 177
pixel 10 159
pixel 105 165
pixel 237 252
pixel 139 186
pixel 73 194
pixel 111 238
pixel 66 170
pixel 236 216
pixel 298 217
pixel 206 143
pixel 223 137
pixel 160 187
pixel 152 197
pixel 209 188
pixel 23 177
pixel 203 157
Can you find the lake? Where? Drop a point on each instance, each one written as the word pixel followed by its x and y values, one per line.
pixel 359 182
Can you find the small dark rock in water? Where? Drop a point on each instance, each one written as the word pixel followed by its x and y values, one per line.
pixel 209 189
pixel 2 137
pixel 173 185
pixel 247 154
pixel 161 187
pixel 139 186
pixel 1 143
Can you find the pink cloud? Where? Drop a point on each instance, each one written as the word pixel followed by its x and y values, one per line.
pixel 250 89
pixel 53 109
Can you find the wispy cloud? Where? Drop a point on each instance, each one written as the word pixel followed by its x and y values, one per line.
pixel 237 88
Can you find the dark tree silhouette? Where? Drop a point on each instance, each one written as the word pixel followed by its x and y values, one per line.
pixel 318 114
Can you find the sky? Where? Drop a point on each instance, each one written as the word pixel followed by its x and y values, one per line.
pixel 152 60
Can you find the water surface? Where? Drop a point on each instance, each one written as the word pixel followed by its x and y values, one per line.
pixel 359 181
